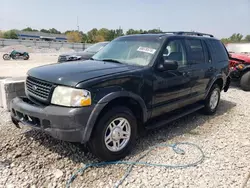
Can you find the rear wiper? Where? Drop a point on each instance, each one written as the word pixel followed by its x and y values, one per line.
pixel 112 60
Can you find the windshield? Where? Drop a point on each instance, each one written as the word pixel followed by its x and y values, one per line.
pixel 95 47
pixel 130 50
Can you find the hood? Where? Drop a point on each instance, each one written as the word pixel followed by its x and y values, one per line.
pixel 72 73
pixel 241 57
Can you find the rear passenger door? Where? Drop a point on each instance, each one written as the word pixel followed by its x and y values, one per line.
pixel 199 59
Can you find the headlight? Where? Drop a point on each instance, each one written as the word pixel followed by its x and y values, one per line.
pixel 66 96
pixel 240 66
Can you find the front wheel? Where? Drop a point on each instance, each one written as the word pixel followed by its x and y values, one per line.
pixel 212 100
pixel 245 81
pixel 6 57
pixel 26 57
pixel 114 134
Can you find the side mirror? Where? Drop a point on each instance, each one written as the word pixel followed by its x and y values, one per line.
pixel 168 65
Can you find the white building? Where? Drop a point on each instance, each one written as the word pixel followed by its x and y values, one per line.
pixel 238 47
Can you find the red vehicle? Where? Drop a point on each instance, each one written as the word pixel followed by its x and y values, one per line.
pixel 240 69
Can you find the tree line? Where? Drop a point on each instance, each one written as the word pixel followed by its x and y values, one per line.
pixel 236 38
pixel 104 34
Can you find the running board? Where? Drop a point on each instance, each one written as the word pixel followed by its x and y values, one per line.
pixel 172 116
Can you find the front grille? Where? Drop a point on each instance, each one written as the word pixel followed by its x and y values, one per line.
pixel 38 89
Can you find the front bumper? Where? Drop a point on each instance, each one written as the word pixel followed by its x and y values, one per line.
pixel 235 74
pixel 62 123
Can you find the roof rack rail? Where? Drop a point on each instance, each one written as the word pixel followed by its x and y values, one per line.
pixel 188 33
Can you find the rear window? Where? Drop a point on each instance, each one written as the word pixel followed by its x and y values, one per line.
pixel 218 50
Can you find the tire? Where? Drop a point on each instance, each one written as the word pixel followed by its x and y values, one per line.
pixel 26 57
pixel 107 152
pixel 212 100
pixel 245 81
pixel 6 57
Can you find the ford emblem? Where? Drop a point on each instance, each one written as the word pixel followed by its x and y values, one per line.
pixel 34 87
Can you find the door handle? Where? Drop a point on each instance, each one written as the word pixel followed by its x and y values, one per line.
pixel 210 69
pixel 186 73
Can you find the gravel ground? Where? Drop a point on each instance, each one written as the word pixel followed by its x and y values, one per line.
pixel 32 159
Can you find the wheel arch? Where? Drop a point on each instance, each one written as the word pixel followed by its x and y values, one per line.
pixel 134 102
pixel 217 80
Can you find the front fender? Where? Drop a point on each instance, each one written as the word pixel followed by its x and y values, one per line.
pixel 101 105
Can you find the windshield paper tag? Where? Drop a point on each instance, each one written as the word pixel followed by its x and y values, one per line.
pixel 146 50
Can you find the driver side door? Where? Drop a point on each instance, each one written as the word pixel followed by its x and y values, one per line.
pixel 172 88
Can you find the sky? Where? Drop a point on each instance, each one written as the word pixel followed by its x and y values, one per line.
pixel 221 18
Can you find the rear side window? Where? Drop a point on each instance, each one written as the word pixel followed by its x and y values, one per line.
pixel 195 51
pixel 218 50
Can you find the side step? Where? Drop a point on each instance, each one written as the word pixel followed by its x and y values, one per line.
pixel 172 116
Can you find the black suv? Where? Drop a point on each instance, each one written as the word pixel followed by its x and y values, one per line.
pixel 125 88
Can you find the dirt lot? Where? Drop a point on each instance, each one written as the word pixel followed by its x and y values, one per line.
pixel 16 68
pixel 33 159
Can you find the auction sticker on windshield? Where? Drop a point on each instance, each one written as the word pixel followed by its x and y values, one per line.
pixel 146 50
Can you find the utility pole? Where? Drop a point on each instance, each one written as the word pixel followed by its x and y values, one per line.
pixel 77 25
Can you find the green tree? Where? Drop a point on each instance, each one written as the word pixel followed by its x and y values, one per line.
pixel 225 40
pixel 154 31
pixel 132 31
pixel 84 37
pixel 11 34
pixel 54 31
pixel 92 35
pixel 105 33
pixel 236 37
pixel 29 29
pixel 74 36
pixel 1 34
pixel 247 38
pixel 44 30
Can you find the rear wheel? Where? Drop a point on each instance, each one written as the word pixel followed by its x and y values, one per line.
pixel 114 134
pixel 212 100
pixel 245 81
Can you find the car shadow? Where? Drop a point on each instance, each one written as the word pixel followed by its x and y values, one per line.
pixel 79 153
pixel 183 126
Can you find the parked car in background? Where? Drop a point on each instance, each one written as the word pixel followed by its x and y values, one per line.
pixel 240 69
pixel 82 55
pixel 136 82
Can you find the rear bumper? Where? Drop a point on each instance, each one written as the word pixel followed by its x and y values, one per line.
pixel 62 123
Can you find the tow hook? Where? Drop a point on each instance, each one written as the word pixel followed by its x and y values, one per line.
pixel 15 122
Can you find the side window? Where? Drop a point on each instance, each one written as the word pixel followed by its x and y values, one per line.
pixel 175 50
pixel 218 50
pixel 195 51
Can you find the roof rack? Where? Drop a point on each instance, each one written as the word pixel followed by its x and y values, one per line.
pixel 188 33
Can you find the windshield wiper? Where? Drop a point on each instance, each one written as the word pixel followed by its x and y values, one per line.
pixel 112 60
